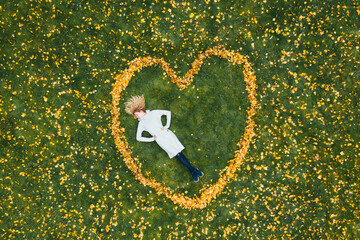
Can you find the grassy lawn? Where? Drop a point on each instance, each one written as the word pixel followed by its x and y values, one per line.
pixel 61 176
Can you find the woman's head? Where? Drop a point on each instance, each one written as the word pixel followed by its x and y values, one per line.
pixel 136 104
pixel 139 114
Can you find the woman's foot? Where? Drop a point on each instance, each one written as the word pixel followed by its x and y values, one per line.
pixel 195 177
pixel 198 172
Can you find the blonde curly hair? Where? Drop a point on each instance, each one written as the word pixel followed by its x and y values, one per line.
pixel 135 104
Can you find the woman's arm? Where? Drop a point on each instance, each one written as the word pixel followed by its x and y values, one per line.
pixel 139 136
pixel 168 117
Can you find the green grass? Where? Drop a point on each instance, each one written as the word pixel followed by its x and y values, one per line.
pixel 61 176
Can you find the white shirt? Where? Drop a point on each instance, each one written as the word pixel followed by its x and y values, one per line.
pixel 166 139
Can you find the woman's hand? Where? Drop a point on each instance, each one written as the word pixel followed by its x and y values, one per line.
pixel 162 129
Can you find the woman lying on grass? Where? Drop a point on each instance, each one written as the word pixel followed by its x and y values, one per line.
pixel 150 121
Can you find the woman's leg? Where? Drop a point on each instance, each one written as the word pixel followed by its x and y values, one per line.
pixel 180 156
pixel 194 171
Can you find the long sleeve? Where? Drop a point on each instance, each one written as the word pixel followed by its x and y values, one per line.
pixel 139 136
pixel 168 117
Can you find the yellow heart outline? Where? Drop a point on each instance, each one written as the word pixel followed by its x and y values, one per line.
pixel 228 174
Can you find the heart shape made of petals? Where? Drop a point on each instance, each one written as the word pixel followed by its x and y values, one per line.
pixel 228 174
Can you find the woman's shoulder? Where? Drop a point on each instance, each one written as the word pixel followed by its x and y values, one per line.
pixel 159 111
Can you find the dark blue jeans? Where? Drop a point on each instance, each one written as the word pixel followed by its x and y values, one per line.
pixel 180 156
